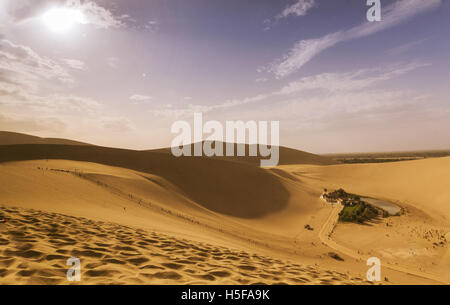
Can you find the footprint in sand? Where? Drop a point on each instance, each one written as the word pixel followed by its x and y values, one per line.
pixel 36 245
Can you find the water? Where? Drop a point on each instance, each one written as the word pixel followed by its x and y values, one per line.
pixel 389 207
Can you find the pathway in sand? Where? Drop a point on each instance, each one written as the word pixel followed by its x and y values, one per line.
pixel 325 236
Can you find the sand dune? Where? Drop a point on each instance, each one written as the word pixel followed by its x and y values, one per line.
pixel 287 156
pixel 230 188
pixel 96 200
pixel 421 183
pixel 14 138
pixel 111 196
pixel 130 197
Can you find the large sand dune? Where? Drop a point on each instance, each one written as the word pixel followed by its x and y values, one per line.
pixel 133 227
pixel 227 187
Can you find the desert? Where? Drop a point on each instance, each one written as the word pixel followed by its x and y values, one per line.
pixel 134 221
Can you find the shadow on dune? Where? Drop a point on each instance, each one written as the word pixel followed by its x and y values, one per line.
pixel 284 174
pixel 230 188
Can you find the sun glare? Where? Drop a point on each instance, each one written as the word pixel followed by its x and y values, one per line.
pixel 60 20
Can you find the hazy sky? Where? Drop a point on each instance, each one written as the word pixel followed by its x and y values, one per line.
pixel 124 70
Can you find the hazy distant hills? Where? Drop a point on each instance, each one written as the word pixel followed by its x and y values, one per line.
pixel 287 155
pixel 14 138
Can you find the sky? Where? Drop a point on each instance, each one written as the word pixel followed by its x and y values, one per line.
pixel 120 72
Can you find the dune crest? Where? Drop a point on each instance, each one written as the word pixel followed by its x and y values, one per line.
pixel 14 138
pixel 287 155
pixel 230 188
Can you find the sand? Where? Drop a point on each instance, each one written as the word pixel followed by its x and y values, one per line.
pixel 147 218
pixel 36 246
pixel 415 240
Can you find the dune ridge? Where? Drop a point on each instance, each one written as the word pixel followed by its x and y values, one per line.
pixel 207 181
pixel 287 155
pixel 14 138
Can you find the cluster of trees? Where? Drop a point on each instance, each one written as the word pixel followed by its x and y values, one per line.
pixel 358 212
pixel 342 196
pixel 355 210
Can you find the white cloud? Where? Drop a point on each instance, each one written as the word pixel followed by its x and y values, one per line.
pixel 304 50
pixel 22 65
pixel 349 109
pixel 300 8
pixel 325 85
pixel 24 76
pixel 151 26
pixel 140 98
pixel 405 47
pixel 75 64
pixel 101 17
pixel 28 91
pixel 170 111
pixel 349 81
pixel 21 68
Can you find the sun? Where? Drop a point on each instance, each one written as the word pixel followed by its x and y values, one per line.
pixel 61 20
